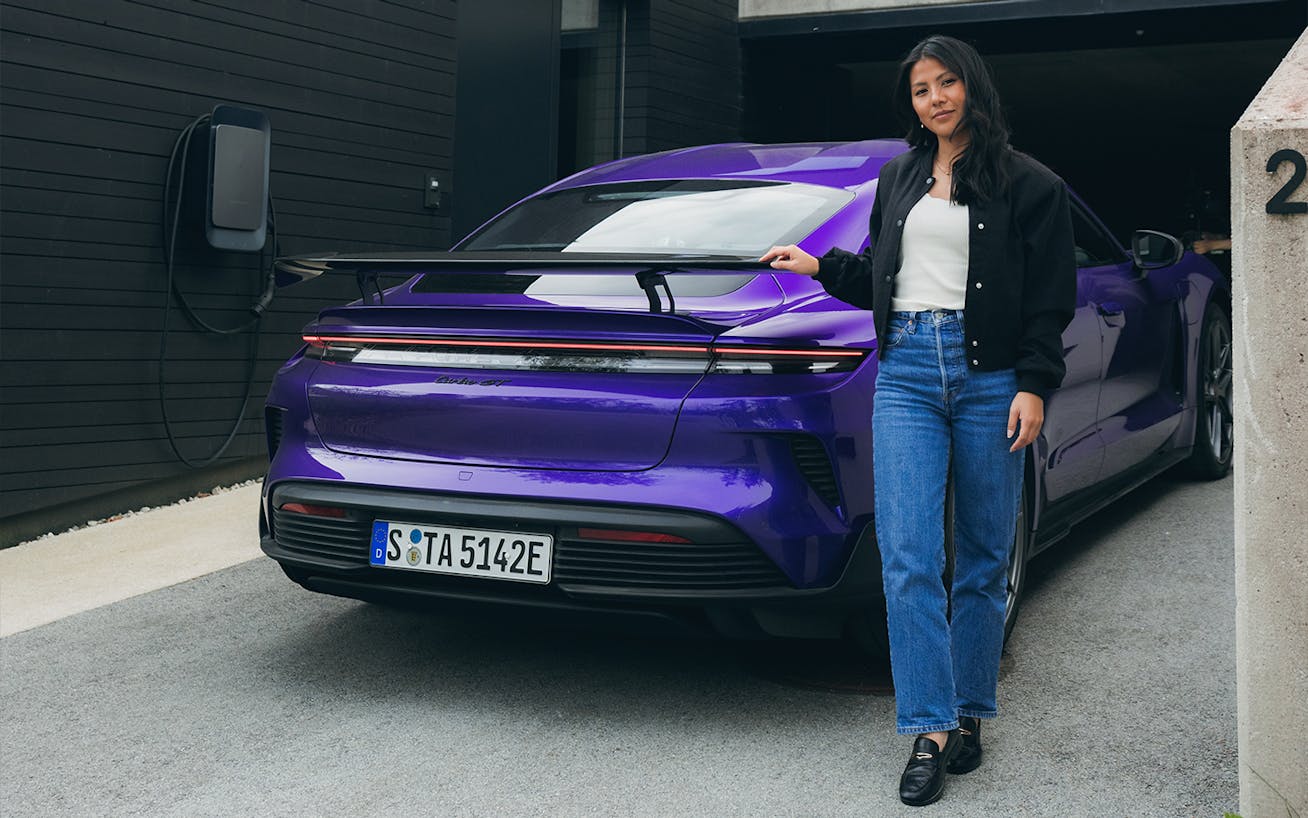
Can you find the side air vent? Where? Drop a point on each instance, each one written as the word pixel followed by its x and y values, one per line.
pixel 814 463
pixel 272 424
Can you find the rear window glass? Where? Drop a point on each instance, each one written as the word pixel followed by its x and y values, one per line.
pixel 727 217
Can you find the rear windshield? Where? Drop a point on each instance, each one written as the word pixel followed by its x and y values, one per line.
pixel 588 284
pixel 709 217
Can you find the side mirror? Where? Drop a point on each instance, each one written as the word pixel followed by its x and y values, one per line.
pixel 1152 249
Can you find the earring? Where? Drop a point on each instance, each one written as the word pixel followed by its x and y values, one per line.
pixel 921 125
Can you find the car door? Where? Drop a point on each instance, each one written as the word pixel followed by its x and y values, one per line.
pixel 1139 398
pixel 1071 431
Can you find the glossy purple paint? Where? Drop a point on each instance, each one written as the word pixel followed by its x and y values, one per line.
pixel 714 445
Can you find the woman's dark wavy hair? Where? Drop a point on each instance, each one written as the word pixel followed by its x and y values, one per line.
pixel 981 171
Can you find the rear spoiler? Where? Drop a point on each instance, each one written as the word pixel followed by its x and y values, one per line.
pixel 369 268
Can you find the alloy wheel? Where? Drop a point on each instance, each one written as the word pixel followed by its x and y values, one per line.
pixel 1217 390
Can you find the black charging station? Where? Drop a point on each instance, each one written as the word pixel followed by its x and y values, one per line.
pixel 218 179
pixel 237 146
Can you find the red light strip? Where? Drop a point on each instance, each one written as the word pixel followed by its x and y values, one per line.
pixel 807 353
pixel 630 536
pixel 360 339
pixel 316 511
pixel 321 340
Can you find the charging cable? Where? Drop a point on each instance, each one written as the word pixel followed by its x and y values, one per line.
pixel 171 217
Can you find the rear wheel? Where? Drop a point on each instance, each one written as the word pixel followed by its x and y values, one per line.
pixel 1213 433
pixel 1017 554
pixel 870 631
pixel 867 627
pixel 1017 557
pixel 297 575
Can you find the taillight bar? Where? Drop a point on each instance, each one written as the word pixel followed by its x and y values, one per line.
pixel 805 353
pixel 580 356
pixel 323 340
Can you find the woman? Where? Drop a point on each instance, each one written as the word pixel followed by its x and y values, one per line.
pixel 971 280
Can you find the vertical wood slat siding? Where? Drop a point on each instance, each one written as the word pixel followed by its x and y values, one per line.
pixel 682 80
pixel 360 97
pixel 683 74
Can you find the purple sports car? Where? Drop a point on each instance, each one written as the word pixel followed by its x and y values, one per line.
pixel 600 402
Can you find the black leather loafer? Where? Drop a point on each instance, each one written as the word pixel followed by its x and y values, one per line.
pixel 923 780
pixel 969 752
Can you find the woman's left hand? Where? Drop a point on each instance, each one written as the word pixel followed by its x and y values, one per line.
pixel 1026 415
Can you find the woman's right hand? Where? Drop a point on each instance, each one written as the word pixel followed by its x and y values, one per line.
pixel 789 257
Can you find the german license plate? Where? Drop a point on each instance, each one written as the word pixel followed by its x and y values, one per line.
pixel 465 552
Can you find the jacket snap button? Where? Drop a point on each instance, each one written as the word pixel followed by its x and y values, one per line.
pixel 975 362
pixel 899 223
pixel 980 226
pixel 978 285
pixel 974 343
pixel 887 279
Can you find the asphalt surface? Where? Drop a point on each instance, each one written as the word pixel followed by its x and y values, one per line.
pixel 238 693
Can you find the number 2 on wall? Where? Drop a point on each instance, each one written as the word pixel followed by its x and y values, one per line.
pixel 1280 203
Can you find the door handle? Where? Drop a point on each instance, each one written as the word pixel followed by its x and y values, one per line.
pixel 1112 313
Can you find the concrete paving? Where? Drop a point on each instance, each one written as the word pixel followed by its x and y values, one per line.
pixel 239 693
pixel 50 578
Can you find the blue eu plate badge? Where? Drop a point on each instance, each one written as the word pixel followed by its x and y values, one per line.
pixel 377 553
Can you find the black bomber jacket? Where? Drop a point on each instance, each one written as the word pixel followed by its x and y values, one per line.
pixel 1021 276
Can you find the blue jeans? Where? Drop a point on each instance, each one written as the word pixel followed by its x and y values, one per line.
pixel 927 406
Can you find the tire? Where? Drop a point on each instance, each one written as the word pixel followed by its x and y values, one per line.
pixel 297 575
pixel 1213 429
pixel 1017 553
pixel 1017 557
pixel 866 627
pixel 869 634
pixel 869 631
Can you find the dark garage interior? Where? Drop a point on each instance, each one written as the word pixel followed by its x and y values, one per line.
pixel 1133 109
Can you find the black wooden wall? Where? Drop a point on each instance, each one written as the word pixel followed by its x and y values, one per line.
pixel 505 137
pixel 683 74
pixel 360 94
pixel 673 69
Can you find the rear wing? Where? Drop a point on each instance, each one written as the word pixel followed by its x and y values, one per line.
pixel 649 269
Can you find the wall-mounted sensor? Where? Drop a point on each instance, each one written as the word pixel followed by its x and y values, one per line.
pixel 431 196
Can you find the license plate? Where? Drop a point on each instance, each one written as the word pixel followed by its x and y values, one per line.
pixel 465 552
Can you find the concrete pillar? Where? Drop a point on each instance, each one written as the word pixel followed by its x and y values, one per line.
pixel 1270 306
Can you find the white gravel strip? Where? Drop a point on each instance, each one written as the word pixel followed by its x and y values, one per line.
pixel 106 561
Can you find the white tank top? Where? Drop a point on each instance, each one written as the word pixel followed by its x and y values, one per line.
pixel 932 257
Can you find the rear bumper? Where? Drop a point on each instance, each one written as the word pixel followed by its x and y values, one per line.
pixel 723 581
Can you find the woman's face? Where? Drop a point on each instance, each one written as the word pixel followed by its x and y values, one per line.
pixel 938 96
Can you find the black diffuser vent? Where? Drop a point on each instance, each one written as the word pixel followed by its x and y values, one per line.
pixel 339 538
pixel 733 566
pixel 814 463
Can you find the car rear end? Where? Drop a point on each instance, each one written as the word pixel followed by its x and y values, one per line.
pixel 535 433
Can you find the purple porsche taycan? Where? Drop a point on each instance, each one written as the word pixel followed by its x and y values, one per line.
pixel 599 402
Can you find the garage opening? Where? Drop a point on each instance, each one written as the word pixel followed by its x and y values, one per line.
pixel 1133 109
